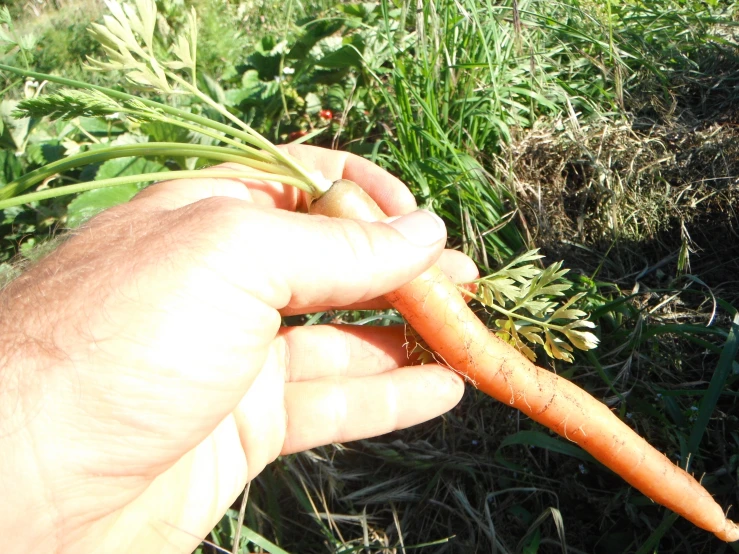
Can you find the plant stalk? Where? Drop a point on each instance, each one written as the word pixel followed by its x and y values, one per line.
pixel 151 177
pixel 144 149
pixel 248 135
pixel 510 313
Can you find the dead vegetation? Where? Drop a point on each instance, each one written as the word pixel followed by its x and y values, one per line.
pixel 661 184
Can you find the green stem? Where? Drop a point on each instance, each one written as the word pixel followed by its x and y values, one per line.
pixel 511 314
pixel 268 162
pixel 10 86
pixel 254 152
pixel 250 136
pixel 265 144
pixel 218 153
pixel 158 176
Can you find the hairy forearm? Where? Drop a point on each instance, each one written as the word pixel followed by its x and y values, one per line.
pixel 32 383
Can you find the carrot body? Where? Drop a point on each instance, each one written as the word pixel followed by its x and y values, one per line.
pixel 435 309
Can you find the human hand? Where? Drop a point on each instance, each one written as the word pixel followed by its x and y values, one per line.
pixel 145 376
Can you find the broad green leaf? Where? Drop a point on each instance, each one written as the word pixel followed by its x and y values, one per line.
pixel 9 215
pixel 362 10
pixel 253 91
pixel 160 131
pixel 15 128
pixel 90 203
pixel 45 152
pixel 316 31
pixel 267 57
pixel 100 127
pixel 347 56
pixel 120 167
pixel 312 103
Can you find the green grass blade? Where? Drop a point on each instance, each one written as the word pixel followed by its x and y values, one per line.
pixel 204 121
pixel 542 440
pixel 260 541
pixel 716 386
pixel 651 542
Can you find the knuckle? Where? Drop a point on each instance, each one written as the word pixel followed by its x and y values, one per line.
pixel 221 207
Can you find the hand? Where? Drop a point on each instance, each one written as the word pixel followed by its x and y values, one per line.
pixel 145 375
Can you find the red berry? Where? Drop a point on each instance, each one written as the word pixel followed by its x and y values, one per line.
pixel 295 135
pixel 326 114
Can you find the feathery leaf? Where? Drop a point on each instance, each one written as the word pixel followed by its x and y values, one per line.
pixel 525 294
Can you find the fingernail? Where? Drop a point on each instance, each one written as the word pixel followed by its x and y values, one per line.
pixel 421 227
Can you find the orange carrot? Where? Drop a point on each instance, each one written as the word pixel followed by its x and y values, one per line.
pixel 435 309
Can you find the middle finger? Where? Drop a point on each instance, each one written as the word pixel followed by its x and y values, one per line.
pixel 321 351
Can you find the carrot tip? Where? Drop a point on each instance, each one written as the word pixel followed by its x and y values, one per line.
pixel 730 532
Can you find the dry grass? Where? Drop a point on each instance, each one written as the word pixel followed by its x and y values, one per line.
pixel 643 191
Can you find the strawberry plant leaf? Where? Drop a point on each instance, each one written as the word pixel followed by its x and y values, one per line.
pixel 90 203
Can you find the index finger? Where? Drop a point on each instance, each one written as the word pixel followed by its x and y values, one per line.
pixel 389 192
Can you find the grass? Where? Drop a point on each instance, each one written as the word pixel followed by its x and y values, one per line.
pixel 581 124
pixel 602 132
pixel 60 34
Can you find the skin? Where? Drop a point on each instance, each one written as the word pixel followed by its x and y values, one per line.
pixel 144 374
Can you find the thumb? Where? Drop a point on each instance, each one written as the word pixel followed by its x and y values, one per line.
pixel 336 262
